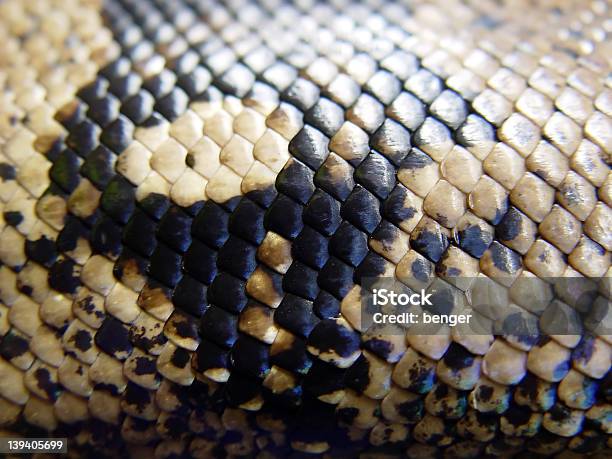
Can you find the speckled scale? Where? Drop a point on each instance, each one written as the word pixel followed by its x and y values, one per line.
pixel 394 208
pixel 357 375
pixel 113 338
pixel 13 346
pixel 429 239
pixel 42 250
pixel 473 238
pixel 373 265
pixel 64 275
pixel 69 236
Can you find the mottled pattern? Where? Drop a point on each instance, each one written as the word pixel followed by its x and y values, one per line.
pixel 193 192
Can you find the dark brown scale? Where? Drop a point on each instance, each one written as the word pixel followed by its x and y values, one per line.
pixel 301 280
pixel 325 116
pixel 118 134
pixel 113 338
pixel 429 239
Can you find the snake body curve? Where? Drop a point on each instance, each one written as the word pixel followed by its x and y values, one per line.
pixel 193 193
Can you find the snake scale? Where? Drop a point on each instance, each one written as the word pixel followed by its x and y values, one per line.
pixel 194 191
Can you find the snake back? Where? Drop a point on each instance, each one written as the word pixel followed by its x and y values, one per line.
pixel 193 194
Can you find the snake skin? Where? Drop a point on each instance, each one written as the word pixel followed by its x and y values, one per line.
pixel 192 192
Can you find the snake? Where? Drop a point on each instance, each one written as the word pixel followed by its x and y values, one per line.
pixel 197 197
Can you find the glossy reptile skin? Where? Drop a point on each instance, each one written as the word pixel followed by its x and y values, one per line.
pixel 192 193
